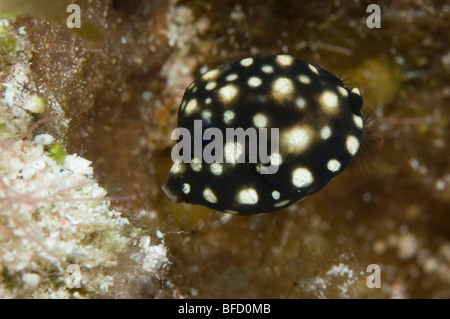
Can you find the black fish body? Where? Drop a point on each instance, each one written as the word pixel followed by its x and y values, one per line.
pixel 319 124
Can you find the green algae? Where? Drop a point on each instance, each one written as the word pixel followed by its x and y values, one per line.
pixel 57 152
pixel 7 49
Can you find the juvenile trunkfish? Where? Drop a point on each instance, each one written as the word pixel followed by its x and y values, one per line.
pixel 320 129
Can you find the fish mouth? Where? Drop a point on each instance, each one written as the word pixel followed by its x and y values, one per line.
pixel 169 193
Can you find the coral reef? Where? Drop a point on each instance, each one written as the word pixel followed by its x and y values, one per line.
pixel 106 97
pixel 53 214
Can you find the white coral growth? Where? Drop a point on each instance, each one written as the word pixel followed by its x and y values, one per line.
pixel 152 258
pixel 53 214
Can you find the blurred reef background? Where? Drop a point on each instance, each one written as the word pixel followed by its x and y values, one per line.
pixel 85 121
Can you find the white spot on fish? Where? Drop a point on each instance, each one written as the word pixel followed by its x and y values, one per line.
pixel 333 165
pixel 247 62
pixel 284 60
pixel 296 139
pixel 228 116
pixel 300 102
pixel 313 69
pixel 216 168
pixel 231 77
pixel 267 69
pixel 276 195
pixel 209 195
pixel 352 144
pixel 325 132
pixel 232 151
pixel 183 105
pixel 210 86
pixel 196 164
pixel 276 159
pixel 329 100
pixel 211 75
pixel 254 81
pixel 304 79
pixel 206 115
pixel 191 86
pixel 282 88
pixel 358 121
pixel 178 167
pixel 248 196
pixel 228 93
pixel 191 107
pixel 186 188
pixel 343 91
pixel 302 177
pixel 260 120
pixel 282 203
pixel 356 91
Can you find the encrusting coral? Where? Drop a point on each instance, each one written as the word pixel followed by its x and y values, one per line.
pixel 53 214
